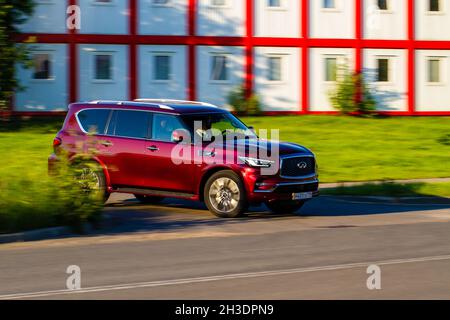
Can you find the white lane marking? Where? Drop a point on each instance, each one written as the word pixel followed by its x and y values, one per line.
pixel 218 278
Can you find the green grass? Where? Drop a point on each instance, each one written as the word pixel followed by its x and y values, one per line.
pixel 29 198
pixel 362 149
pixel 441 189
pixel 348 149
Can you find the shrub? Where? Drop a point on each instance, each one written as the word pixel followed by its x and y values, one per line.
pixel 31 199
pixel 351 94
pixel 242 104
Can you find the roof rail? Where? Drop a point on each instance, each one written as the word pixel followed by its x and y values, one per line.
pixel 172 101
pixel 131 103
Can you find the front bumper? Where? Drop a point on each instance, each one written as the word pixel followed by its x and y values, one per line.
pixel 262 189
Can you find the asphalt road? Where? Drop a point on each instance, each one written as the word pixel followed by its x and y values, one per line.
pixel 179 251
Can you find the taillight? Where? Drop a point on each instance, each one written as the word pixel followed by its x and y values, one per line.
pixel 56 143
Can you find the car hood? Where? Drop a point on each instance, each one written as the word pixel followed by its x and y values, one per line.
pixel 268 146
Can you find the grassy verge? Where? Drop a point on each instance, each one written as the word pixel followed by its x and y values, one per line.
pixel 364 149
pixel 441 189
pixel 29 198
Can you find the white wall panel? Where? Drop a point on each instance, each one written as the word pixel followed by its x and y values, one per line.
pixel 281 95
pixel 216 92
pixel 332 23
pixel 45 95
pixel 115 89
pixel 319 88
pixel 277 22
pixel 104 18
pixel 227 20
pixel 432 25
pixel 49 17
pixel 170 19
pixel 432 96
pixel 391 95
pixel 388 24
pixel 176 87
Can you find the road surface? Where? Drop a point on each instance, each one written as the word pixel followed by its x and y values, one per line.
pixel 179 251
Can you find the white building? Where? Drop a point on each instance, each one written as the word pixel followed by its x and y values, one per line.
pixel 286 51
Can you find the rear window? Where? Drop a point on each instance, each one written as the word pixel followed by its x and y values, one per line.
pixel 94 120
pixel 130 124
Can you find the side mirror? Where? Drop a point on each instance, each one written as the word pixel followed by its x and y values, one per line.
pixel 181 135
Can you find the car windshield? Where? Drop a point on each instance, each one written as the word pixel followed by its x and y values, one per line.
pixel 216 124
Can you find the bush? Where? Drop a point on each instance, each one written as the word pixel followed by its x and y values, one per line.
pixel 352 95
pixel 30 200
pixel 243 105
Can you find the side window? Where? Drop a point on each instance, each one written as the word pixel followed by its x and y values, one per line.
pixel 130 124
pixel 164 125
pixel 94 120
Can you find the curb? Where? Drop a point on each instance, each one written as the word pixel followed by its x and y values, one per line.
pixel 377 182
pixel 51 233
pixel 35 235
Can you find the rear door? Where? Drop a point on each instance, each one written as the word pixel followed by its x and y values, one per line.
pixel 122 148
pixel 162 166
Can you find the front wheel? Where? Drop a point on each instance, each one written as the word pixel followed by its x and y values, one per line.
pixel 224 195
pixel 284 207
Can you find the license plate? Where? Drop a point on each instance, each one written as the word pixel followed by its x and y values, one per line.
pixel 302 196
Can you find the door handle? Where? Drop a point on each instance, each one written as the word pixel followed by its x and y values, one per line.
pixel 106 143
pixel 153 148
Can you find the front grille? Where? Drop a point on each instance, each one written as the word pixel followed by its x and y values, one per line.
pixel 310 187
pixel 298 167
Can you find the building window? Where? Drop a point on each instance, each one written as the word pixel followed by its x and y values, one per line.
pixel 103 67
pixel 218 3
pixel 42 66
pixel 434 5
pixel 329 4
pixel 160 2
pixel 219 68
pixel 161 67
pixel 274 70
pixel 383 4
pixel 330 69
pixel 434 70
pixel 274 3
pixel 383 70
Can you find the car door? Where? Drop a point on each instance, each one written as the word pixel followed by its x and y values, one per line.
pixel 122 149
pixel 162 165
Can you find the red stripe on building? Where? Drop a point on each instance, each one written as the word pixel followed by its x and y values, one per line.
pixel 133 71
pixel 304 82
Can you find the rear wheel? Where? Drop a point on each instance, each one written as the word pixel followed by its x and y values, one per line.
pixel 284 207
pixel 148 199
pixel 224 195
pixel 91 179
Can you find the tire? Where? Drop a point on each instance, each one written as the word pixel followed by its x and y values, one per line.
pixel 92 179
pixel 148 199
pixel 284 207
pixel 224 195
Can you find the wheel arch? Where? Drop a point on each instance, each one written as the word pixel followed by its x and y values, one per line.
pixel 208 173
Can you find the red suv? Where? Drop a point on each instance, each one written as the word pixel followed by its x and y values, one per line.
pixel 158 149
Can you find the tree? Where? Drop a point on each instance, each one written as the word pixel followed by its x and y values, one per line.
pixel 352 94
pixel 12 14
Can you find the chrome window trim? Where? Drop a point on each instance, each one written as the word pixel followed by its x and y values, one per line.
pixel 296 156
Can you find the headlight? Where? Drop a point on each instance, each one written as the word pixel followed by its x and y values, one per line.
pixel 257 163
